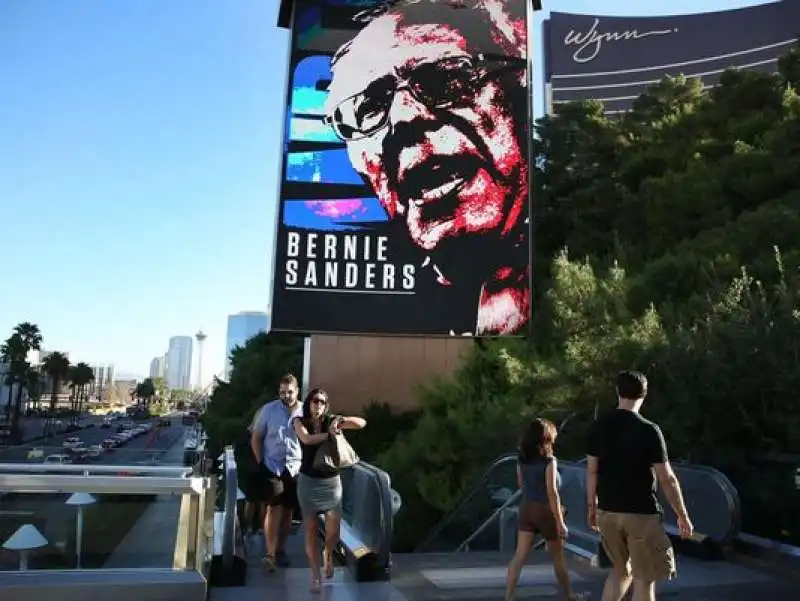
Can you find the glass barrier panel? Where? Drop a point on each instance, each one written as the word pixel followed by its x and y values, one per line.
pixel 497 486
pixel 110 530
pixel 493 534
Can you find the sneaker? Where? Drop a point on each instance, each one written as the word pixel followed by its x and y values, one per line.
pixel 282 559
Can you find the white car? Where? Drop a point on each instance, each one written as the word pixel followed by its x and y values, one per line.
pixel 72 442
pixel 96 450
pixel 58 459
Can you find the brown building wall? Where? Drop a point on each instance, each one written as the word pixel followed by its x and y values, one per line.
pixel 358 369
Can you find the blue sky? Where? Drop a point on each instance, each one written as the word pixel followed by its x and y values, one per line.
pixel 139 156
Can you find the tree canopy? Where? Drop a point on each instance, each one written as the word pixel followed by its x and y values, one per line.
pixel 666 240
pixel 256 369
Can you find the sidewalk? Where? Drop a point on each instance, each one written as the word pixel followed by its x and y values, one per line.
pixel 151 541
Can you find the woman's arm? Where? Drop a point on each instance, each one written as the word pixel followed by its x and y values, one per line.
pixel 302 433
pixel 351 423
pixel 551 477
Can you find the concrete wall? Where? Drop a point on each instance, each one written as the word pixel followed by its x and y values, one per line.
pixel 358 369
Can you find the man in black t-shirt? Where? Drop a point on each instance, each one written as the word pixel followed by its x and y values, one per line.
pixel 626 455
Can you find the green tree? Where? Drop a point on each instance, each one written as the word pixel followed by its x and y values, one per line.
pixel 80 376
pixel 256 370
pixel 25 338
pixel 672 214
pixel 13 354
pixel 56 366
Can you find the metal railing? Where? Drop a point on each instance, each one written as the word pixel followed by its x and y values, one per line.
pixel 711 498
pixel 500 474
pixel 92 469
pixel 185 578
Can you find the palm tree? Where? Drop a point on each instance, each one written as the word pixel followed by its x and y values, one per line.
pixel 31 335
pixel 12 352
pixel 136 393
pixel 84 375
pixel 33 383
pixel 148 391
pixel 56 366
pixel 26 338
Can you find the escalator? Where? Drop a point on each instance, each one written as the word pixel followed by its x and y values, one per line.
pixel 485 519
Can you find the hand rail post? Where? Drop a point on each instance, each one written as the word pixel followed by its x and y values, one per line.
pixel 231 488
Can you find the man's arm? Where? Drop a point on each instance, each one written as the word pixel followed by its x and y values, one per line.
pixel 257 435
pixel 592 462
pixel 666 476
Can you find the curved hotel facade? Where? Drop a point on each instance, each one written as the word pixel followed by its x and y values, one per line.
pixel 614 59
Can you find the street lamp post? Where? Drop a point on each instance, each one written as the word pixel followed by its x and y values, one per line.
pixel 24 540
pixel 79 500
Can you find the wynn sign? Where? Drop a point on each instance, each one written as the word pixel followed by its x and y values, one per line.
pixel 588 43
pixel 614 59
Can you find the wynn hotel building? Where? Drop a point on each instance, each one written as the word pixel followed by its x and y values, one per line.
pixel 613 59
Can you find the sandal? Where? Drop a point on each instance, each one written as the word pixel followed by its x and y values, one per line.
pixel 270 563
pixel 316 585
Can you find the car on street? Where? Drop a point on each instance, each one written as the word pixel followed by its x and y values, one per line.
pixel 72 442
pixel 58 459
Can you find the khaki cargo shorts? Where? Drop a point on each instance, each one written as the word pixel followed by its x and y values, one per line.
pixel 639 543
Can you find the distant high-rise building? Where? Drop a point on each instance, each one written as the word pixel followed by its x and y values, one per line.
pixel 241 328
pixel 179 363
pixel 158 367
pixel 104 377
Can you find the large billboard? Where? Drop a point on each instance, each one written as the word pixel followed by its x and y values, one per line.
pixel 404 201
pixel 614 59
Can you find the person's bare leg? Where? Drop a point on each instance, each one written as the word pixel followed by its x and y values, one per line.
pixel 333 521
pixel 249 516
pixel 524 544
pixel 617 585
pixel 556 549
pixel 310 526
pixel 271 528
pixel 284 528
pixel 644 590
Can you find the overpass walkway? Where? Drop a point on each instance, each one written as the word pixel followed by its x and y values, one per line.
pixel 199 552
pixel 465 557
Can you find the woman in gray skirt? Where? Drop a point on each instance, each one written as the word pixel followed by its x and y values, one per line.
pixel 320 492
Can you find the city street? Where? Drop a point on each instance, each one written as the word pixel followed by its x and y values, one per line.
pixel 135 450
pixel 33 427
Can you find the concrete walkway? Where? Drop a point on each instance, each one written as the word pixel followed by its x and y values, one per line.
pixel 151 542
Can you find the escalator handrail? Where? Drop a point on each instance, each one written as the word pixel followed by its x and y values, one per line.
pixel 385 501
pixel 488 522
pixel 474 490
pixel 513 499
